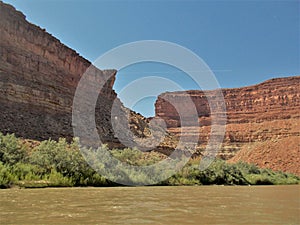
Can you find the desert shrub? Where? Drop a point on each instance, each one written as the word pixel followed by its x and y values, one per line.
pixel 64 158
pixel 45 155
pixel 56 179
pixel 11 150
pixel 257 176
pixel 58 163
pixel 248 168
pixel 27 171
pixel 98 181
pixel 130 156
pixel 6 177
pixel 219 172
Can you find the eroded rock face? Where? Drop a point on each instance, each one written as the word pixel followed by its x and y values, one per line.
pixel 258 103
pixel 38 79
pixel 256 115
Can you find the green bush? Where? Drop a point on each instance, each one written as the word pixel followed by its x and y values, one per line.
pixel 11 150
pixel 58 163
pixel 27 171
pixel 6 177
pixel 56 179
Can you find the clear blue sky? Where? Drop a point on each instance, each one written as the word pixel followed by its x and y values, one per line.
pixel 243 42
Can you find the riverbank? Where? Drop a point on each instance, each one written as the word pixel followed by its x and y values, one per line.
pixel 59 164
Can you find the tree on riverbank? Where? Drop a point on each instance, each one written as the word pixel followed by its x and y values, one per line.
pixel 59 164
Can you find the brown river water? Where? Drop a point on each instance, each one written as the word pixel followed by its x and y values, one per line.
pixel 152 205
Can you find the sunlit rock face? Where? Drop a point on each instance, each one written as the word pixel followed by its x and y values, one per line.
pixel 38 79
pixel 267 114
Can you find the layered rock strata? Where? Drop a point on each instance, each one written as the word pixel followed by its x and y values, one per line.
pixel 38 79
pixel 256 115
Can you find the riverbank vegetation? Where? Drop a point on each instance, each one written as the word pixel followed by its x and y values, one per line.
pixel 59 164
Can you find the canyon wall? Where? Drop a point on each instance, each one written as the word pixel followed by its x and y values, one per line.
pixel 38 79
pixel 263 102
pixel 267 114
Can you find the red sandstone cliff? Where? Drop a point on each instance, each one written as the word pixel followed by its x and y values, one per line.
pixel 262 122
pixel 274 99
pixel 38 79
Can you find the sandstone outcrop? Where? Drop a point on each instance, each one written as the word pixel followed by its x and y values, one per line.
pixel 264 102
pixel 38 79
pixel 256 115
